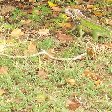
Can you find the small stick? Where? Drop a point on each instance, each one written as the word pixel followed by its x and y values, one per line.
pixel 43 52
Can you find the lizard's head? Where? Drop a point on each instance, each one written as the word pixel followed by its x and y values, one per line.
pixel 74 13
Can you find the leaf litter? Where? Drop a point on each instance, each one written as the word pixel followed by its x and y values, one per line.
pixel 63 36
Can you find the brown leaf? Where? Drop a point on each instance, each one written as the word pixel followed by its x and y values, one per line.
pixel 72 104
pixel 98 82
pixel 66 25
pixel 16 33
pixel 90 6
pixel 63 37
pixel 71 81
pixel 42 74
pixel 2 92
pixel 93 76
pixel 89 74
pixel 3 70
pixel 56 9
pixel 32 48
pixel 43 32
pixel 98 13
pixel 91 51
pixel 50 52
pixel 25 22
pixel 108 21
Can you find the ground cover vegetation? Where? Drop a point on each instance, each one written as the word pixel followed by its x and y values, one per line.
pixel 50 60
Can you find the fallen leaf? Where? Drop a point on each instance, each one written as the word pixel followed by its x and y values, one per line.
pixel 6 9
pixel 91 51
pixel 98 13
pixel 108 45
pixel 42 74
pixel 3 70
pixel 32 48
pixel 16 33
pixel 91 1
pixel 72 104
pixel 31 0
pixel 108 21
pixel 108 1
pixel 93 76
pixel 1 92
pixel 43 32
pixel 50 52
pixel 56 9
pixel 90 6
pixel 66 25
pixel 71 81
pixel 25 22
pixel 63 37
pixel 98 82
pixel 88 73
pixel 51 4
pixel 41 97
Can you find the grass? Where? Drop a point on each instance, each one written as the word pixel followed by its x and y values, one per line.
pixel 27 91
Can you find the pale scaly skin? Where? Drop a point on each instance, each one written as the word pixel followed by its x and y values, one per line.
pixel 85 23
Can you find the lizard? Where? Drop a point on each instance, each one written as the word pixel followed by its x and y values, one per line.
pixel 86 23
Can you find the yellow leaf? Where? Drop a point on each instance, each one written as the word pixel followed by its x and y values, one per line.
pixel 98 82
pixel 51 4
pixel 64 16
pixel 41 97
pixel 66 25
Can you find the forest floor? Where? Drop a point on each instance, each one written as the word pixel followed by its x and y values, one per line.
pixel 46 66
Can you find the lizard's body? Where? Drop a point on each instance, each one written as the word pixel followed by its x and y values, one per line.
pixel 85 23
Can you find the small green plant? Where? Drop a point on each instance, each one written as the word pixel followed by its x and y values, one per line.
pixel 17 14
pixel 46 43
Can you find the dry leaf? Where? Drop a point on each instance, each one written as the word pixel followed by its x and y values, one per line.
pixel 93 76
pixel 41 97
pixel 43 32
pixel 108 21
pixel 98 82
pixel 88 73
pixel 1 92
pixel 31 0
pixel 72 104
pixel 25 22
pixel 66 25
pixel 91 51
pixel 50 52
pixel 56 9
pixel 42 74
pixel 90 6
pixel 51 4
pixel 63 37
pixel 3 70
pixel 32 48
pixel 16 33
pixel 71 81
pixel 6 9
pixel 98 13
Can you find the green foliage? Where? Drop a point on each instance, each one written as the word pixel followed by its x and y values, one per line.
pixel 46 43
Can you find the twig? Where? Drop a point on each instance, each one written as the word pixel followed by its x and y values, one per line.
pixel 43 52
